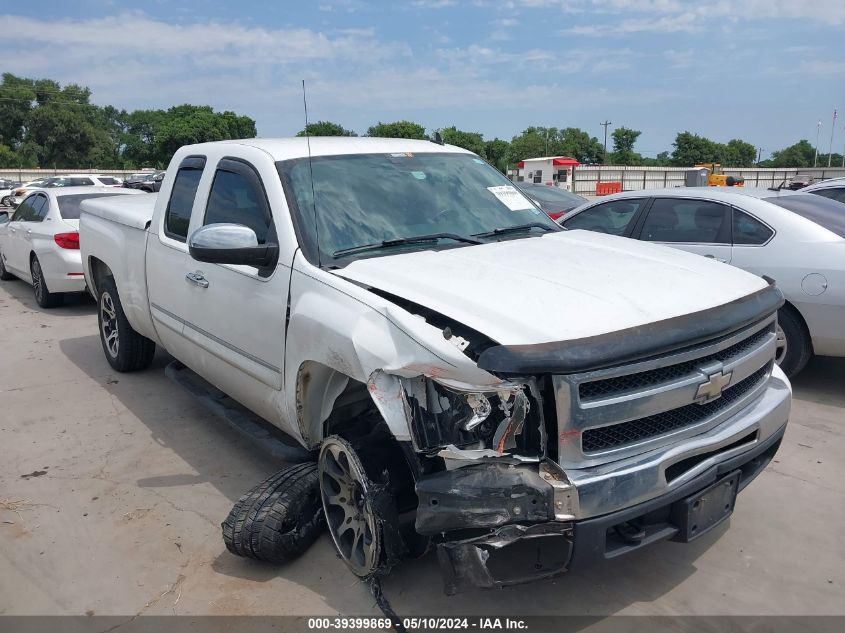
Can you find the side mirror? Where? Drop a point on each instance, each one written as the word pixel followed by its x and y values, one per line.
pixel 4 217
pixel 231 244
pixel 158 178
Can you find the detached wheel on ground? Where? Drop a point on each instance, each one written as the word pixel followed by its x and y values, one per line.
pixel 348 501
pixel 794 347
pixel 125 349
pixel 5 275
pixel 278 519
pixel 43 296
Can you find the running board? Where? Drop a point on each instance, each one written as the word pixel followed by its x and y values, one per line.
pixel 270 439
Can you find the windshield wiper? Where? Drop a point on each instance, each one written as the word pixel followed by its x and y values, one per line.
pixel 399 241
pixel 514 229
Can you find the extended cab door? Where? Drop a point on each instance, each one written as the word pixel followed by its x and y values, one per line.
pixel 690 224
pixel 167 250
pixel 235 314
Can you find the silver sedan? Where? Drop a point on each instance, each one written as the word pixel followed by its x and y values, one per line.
pixel 798 240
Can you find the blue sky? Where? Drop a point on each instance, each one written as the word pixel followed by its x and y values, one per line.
pixel 762 70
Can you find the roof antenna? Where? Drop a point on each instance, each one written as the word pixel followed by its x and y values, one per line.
pixel 438 137
pixel 311 174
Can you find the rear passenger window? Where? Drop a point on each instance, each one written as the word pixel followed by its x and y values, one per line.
pixel 834 193
pixel 612 216
pixel 748 230
pixel 177 218
pixel 686 221
pixel 25 211
pixel 237 197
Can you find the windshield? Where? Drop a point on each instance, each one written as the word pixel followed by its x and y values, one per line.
pixel 365 199
pixel 544 193
pixel 823 211
pixel 69 205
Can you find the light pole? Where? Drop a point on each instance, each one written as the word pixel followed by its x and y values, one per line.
pixel 818 130
pixel 605 124
pixel 830 147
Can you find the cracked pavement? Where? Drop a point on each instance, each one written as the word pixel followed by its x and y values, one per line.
pixel 137 476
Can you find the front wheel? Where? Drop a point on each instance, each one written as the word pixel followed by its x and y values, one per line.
pixel 347 495
pixel 7 201
pixel 125 349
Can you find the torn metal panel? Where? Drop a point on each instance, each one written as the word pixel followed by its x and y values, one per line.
pixel 511 555
pixel 482 495
pixel 317 388
pixel 388 396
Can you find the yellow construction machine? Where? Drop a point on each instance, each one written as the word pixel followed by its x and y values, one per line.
pixel 715 177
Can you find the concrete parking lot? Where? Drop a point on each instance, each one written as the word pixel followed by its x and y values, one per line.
pixel 113 487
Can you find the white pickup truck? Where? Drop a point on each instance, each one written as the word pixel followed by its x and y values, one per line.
pixel 466 374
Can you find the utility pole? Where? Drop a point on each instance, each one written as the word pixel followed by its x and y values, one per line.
pixel 759 154
pixel 818 130
pixel 830 148
pixel 605 124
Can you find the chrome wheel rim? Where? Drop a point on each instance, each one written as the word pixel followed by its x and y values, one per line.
pixel 37 281
pixel 344 488
pixel 108 324
pixel 781 345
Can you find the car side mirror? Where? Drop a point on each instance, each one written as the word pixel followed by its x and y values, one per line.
pixel 4 217
pixel 158 178
pixel 231 244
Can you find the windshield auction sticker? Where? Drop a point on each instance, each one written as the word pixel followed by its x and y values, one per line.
pixel 511 198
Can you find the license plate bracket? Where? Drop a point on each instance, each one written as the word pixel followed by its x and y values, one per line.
pixel 699 513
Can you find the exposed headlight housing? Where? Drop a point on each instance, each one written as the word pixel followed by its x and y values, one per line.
pixel 504 420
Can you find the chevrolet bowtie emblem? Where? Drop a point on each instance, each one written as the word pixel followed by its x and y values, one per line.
pixel 715 385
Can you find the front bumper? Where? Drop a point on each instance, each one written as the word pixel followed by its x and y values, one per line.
pixel 502 523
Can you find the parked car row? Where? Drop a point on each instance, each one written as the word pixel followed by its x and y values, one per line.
pixel 147 181
pixel 39 241
pixel 797 239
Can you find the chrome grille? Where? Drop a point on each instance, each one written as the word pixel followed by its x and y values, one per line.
pixel 605 437
pixel 632 382
pixel 609 414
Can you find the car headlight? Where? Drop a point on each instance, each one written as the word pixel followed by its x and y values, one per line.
pixel 505 419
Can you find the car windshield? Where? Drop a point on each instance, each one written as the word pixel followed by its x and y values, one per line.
pixel 823 211
pixel 367 199
pixel 69 205
pixel 544 193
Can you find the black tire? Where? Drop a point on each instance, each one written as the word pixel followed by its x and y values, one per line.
pixel 799 348
pixel 7 201
pixel 43 296
pixel 126 350
pixel 5 275
pixel 278 519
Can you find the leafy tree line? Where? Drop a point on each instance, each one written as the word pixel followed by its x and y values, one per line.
pixel 44 124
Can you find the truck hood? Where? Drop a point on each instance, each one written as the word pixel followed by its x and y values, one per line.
pixel 557 287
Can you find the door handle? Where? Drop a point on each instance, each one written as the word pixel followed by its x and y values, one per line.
pixel 197 279
pixel 718 259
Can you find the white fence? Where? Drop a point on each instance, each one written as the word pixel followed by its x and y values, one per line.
pixel 25 175
pixel 639 178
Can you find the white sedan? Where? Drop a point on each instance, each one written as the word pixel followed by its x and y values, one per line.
pixel 40 242
pixel 798 240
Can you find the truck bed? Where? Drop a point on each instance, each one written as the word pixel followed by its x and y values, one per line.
pixel 132 211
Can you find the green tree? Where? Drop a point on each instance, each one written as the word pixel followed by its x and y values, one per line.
pixel 623 146
pixel 691 149
pixel 325 128
pixel 496 152
pixel 551 141
pixel 739 153
pixel 473 141
pixel 397 129
pixel 800 154
pixel 187 124
pixel 17 99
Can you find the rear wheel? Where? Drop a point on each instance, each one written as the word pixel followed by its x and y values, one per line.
pixel 8 201
pixel 125 349
pixel 43 296
pixel 794 348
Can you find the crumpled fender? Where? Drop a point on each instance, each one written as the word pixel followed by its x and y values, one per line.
pixel 345 328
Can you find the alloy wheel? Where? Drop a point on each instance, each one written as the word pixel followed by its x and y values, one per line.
pixel 37 280
pixel 108 324
pixel 781 345
pixel 345 491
